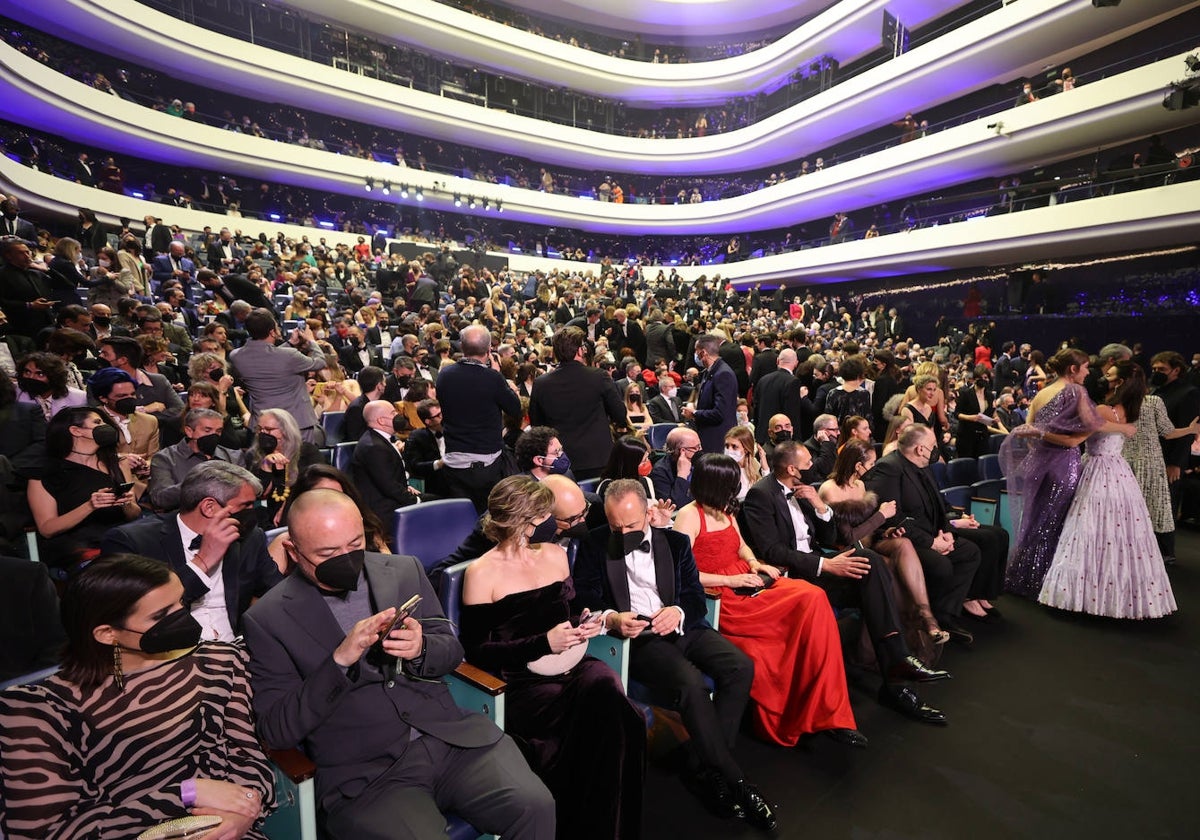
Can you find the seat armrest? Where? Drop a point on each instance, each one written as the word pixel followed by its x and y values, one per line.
pixel 295 765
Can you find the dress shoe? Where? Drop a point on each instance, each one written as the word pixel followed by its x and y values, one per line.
pixel 911 668
pixel 758 812
pixel 849 737
pixel 905 701
pixel 711 788
pixel 958 634
pixel 994 614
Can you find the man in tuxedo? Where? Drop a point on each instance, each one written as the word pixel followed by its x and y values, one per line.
pixel 377 467
pixel 645 580
pixel 224 252
pixel 894 325
pixel 766 358
pixel 213 544
pixel 566 310
pixel 25 295
pixel 1004 372
pixel 950 562
pixel 11 223
pixel 425 448
pixel 392 749
pixel 356 354
pixel 84 172
pixel 580 402
pixel 593 328
pixel 157 239
pixel 715 410
pixel 371 386
pixel 625 333
pixel 173 265
pixel 786 524
pixel 779 392
pixel 665 406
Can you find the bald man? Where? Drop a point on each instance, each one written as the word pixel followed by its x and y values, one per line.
pixel 779 392
pixel 672 475
pixel 377 467
pixel 392 750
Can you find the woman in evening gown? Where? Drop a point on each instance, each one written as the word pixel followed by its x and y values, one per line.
pixel 566 711
pixel 1041 462
pixel 787 627
pixel 1107 562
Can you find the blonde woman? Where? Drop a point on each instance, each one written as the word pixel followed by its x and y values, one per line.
pixel 751 460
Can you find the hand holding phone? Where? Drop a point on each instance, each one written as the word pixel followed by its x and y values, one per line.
pixel 402 612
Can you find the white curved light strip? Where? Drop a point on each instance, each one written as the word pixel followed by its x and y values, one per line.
pixel 675 17
pixel 1112 111
pixel 994 49
pixel 1131 221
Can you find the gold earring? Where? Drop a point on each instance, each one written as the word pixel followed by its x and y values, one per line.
pixel 118 676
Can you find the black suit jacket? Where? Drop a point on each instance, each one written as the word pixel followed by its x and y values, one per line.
pixel 771 534
pixel 216 254
pixel 915 493
pixel 777 393
pixel 579 402
pixel 353 425
pixel 30 628
pixel 245 289
pixel 247 569
pixel 765 362
pixel 634 339
pixel 353 363
pixel 660 409
pixel 24 229
pixel 601 581
pixel 731 354
pixel 420 453
pixel 716 406
pixel 354 723
pixel 18 287
pixel 378 472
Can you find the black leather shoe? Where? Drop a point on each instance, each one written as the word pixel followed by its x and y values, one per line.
pixel 712 789
pixel 849 737
pixel 959 634
pixel 905 701
pixel 758 813
pixel 911 668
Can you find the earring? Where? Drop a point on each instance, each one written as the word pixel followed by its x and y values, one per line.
pixel 118 676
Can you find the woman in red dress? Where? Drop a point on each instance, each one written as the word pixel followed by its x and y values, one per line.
pixel 785 625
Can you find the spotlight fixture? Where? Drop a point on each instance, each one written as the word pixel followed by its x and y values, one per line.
pixel 472 202
pixel 487 205
pixel 370 184
pixel 457 200
pixel 387 188
pixel 499 206
pixel 1193 63
pixel 404 190
pixel 420 194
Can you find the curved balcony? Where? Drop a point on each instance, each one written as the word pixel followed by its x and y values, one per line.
pixel 1017 40
pixel 1108 112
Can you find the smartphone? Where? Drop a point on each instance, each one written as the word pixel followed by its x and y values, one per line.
pixel 123 488
pixel 590 618
pixel 402 612
pixel 905 522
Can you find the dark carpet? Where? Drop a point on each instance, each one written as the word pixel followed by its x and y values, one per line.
pixel 1061 726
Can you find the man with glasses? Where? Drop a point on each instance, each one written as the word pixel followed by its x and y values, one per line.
pixel 425 448
pixel 672 475
pixel 540 453
pixel 950 563
pixel 823 448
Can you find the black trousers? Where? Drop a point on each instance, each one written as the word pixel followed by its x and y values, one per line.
pixel 673 668
pixel 874 594
pixel 948 577
pixel 476 481
pixel 992 542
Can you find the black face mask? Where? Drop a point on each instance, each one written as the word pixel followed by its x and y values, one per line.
pixel 342 571
pixel 207 444
pixel 125 405
pixel 174 631
pixel 1157 379
pixel 216 374
pixel 105 436
pixel 101 322
pixel 267 443
pixel 576 532
pixel 34 387
pixel 781 435
pixel 403 381
pixel 247 521
pixel 545 531
pixel 628 542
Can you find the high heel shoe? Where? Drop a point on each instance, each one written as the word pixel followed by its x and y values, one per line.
pixel 936 634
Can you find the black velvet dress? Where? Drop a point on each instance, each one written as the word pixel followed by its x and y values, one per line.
pixel 578 730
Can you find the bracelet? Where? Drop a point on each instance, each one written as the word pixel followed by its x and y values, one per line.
pixel 187 792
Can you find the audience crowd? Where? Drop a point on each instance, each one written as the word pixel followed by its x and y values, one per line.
pixel 174 416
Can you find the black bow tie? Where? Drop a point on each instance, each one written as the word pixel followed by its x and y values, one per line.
pixel 194 545
pixel 645 546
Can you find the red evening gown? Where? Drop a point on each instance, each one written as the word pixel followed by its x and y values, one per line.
pixel 791 634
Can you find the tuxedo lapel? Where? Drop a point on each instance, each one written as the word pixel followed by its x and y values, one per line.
pixel 664 566
pixel 618 579
pixel 784 516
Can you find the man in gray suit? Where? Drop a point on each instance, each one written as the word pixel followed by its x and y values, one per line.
pixel 391 748
pixel 275 376
pixel 660 342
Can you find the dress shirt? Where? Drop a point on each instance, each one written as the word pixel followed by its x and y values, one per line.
pixel 800 524
pixel 210 611
pixel 643 582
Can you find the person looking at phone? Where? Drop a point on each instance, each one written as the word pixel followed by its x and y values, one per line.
pixel 83 490
pixel 517 621
pixel 392 750
pixel 645 581
pixel 213 544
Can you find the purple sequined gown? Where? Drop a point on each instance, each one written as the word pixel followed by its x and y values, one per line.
pixel 1042 478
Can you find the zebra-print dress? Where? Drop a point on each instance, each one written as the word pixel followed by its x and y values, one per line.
pixel 108 766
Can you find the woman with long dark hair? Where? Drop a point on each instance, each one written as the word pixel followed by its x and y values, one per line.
pixel 785 625
pixel 143 724
pixel 1107 561
pixel 628 458
pixel 84 489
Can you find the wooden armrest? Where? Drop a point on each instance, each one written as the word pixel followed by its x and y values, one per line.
pixel 481 679
pixel 981 499
pixel 296 765
pixel 714 594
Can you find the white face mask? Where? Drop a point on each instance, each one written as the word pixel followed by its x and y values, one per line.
pixel 735 454
pixel 105 263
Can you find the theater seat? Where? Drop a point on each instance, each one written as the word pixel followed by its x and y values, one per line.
pixel 962 471
pixel 958 496
pixel 331 422
pixel 589 485
pixel 342 453
pixel 988 489
pixel 431 531
pixel 989 467
pixel 939 473
pixel 657 436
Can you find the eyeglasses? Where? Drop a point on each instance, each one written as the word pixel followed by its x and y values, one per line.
pixel 571 520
